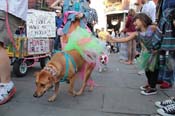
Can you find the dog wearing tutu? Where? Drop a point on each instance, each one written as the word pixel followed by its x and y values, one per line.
pixel 77 35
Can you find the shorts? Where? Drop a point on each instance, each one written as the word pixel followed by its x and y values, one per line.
pixel 14 22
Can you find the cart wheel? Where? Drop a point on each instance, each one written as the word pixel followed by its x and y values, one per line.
pixel 44 61
pixel 19 68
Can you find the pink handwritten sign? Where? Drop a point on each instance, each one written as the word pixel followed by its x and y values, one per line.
pixel 38 46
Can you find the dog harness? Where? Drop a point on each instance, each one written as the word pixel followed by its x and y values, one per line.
pixel 68 58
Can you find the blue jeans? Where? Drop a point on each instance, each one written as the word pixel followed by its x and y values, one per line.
pixel 57 43
pixel 166 75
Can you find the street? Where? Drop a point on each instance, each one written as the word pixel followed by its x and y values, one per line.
pixel 117 94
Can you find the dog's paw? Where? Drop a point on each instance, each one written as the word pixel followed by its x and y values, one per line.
pixel 100 70
pixel 52 98
pixel 78 93
pixel 72 93
pixel 91 88
pixel 105 68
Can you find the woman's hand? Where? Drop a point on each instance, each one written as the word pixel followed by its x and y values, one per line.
pixel 79 15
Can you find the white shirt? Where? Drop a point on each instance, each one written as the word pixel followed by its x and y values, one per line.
pixel 17 8
pixel 113 34
pixel 149 8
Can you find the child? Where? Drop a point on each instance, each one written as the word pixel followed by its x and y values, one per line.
pixel 145 35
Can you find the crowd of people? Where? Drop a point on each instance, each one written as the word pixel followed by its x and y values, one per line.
pixel 146 38
pixel 157 57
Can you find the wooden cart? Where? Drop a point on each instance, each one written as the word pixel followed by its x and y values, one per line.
pixel 28 53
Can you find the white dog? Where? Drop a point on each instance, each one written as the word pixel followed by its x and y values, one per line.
pixel 103 60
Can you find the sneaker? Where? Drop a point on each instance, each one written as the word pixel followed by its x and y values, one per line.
pixel 6 92
pixel 143 88
pixel 135 61
pixel 149 91
pixel 165 103
pixel 165 85
pixel 141 72
pixel 167 111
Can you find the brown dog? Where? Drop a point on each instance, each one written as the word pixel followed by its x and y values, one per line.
pixel 55 71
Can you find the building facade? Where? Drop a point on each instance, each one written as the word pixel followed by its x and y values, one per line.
pixel 40 4
pixel 116 11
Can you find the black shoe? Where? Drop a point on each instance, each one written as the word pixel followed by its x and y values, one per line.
pixel 167 111
pixel 149 91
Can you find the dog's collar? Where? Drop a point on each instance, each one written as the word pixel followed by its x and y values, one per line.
pixel 53 71
pixel 50 69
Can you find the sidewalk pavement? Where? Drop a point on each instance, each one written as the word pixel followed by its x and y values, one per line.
pixel 117 94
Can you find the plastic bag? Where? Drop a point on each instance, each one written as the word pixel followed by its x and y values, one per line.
pixel 143 59
pixel 147 61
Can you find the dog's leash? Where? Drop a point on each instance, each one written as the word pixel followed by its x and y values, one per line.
pixel 8 27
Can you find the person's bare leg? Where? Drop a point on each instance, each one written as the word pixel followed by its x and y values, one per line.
pixel 129 52
pixel 7 89
pixel 5 73
pixel 134 51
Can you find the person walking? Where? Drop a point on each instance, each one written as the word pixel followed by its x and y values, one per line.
pixel 93 17
pixel 12 14
pixel 59 22
pixel 166 78
pixel 149 8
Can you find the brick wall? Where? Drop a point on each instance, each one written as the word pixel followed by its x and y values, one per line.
pixel 33 3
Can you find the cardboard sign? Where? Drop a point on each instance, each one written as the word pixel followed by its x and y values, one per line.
pixel 38 46
pixel 40 24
